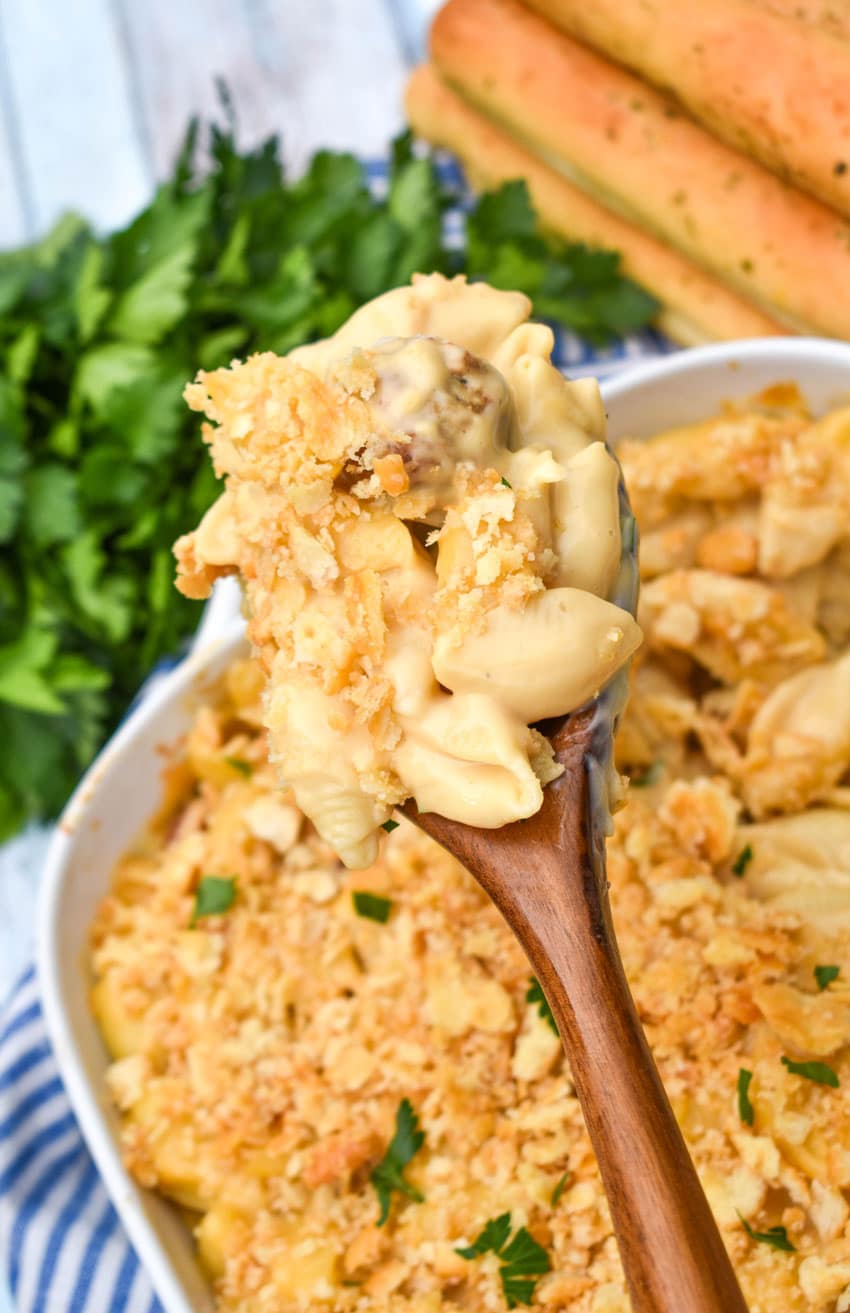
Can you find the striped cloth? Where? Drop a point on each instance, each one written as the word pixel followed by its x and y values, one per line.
pixel 61 1243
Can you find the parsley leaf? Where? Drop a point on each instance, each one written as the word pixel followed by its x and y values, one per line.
pixel 505 483
pixel 389 826
pixel 214 895
pixel 24 671
pixel 389 1173
pixel 158 300
pixel 22 353
pixel 534 994
pixel 574 284
pixel 104 370
pixel 559 1189
pixel 746 1111
pixel 824 975
pixel 372 906
pixel 775 1236
pixel 91 298
pixel 818 1072
pixel 240 765
pixel 517 1290
pixel 742 861
pixel 491 1239
pixel 522 1260
pixel 52 504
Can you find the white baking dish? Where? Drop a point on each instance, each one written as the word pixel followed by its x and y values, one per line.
pixel 689 385
pixel 122 788
pixel 109 809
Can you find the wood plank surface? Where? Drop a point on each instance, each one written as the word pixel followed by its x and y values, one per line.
pixel 67 87
pixel 412 19
pixel 15 225
pixel 320 72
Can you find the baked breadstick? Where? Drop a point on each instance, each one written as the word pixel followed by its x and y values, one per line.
pixel 695 307
pixel 630 148
pixel 826 14
pixel 750 70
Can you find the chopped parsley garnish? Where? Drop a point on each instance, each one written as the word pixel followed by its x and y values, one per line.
pixel 490 1240
pixel 746 1111
pixel 373 906
pixel 505 483
pixel 534 994
pixel 742 861
pixel 559 1189
pixel 775 1236
pixel 522 1260
pixel 389 1173
pixel 241 765
pixel 818 1072
pixel 824 975
pixel 215 894
pixel 389 826
pixel 650 776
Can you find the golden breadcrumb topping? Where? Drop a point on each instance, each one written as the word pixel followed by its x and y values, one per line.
pixel 265 1044
pixel 419 522
pixel 262 1054
pixel 745 557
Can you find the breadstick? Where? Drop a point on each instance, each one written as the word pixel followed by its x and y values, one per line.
pixel 695 307
pixel 769 76
pixel 631 149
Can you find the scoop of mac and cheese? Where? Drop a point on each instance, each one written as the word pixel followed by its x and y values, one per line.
pixel 425 520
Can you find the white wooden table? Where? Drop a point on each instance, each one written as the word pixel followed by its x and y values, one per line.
pixel 96 94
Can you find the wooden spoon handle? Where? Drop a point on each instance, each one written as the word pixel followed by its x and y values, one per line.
pixel 549 883
pixel 672 1252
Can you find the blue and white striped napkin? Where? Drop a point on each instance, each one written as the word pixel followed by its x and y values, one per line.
pixel 61 1243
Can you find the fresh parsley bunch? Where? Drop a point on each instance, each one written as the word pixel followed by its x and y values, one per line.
pixel 101 464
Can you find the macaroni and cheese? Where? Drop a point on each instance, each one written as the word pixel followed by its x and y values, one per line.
pixel 261 1053
pixel 425 520
pixel 745 559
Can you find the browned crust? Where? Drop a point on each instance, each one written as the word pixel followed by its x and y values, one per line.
pixel 771 77
pixel 629 147
pixel 696 308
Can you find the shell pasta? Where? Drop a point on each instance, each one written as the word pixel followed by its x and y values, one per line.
pixel 425 520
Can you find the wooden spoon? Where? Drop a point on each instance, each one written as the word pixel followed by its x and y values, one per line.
pixel 546 875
